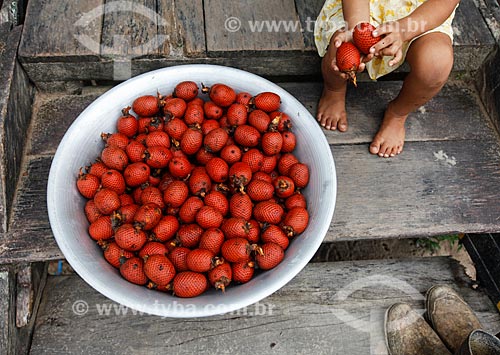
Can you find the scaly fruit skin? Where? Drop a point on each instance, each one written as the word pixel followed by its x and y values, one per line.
pixel 253 236
pixel 212 111
pixel 220 276
pixel 127 124
pixel 189 284
pixel 231 154
pixel 201 260
pixel 242 272
pixel 150 124
pixel 190 208
pixel 136 174
pixel 218 200
pixel 189 235
pixel 153 248
pixel 284 187
pixel 186 90
pixel 194 115
pixel 175 194
pixel 259 190
pixel 101 228
pixel 212 240
pixel 215 140
pixel 222 95
pixel 272 255
pixel 274 234
pixel 240 174
pixel 289 142
pixel 262 176
pixel 130 238
pixel 208 126
pixel 91 211
pixel 159 269
pixel 133 271
pixel 107 201
pixel 260 120
pixel 217 170
pixel 268 212
pixel 175 107
pixel 203 156
pixel 152 195
pixel 126 213
pixel 296 200
pixel 237 114
pixel 157 157
pixel 114 254
pixel 285 163
pixel 148 216
pixel 97 168
pixel 165 229
pixel 175 128
pixel 243 98
pixel 237 250
pixel 199 183
pixel 272 142
pixel 135 151
pixel 296 221
pixel 126 199
pixel 114 158
pixel 116 139
pixel 267 101
pixel 254 158
pixel 235 227
pixel 180 167
pixel 209 217
pixel 363 38
pixel 88 185
pixel 113 180
pixel 158 138
pixel 299 173
pixel 348 60
pixel 178 257
pixel 146 106
pixel 247 136
pixel 240 205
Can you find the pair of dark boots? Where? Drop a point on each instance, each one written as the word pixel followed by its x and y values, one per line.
pixel 453 329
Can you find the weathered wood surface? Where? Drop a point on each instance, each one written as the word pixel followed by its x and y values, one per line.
pixel 240 27
pixel 448 173
pixel 15 113
pixel 7 315
pixel 329 308
pixel 282 52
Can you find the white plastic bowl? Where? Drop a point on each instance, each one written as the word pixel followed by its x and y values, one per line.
pixel 82 144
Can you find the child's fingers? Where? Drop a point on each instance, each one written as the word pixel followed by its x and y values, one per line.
pixel 361 67
pixel 397 58
pixel 383 29
pixel 367 58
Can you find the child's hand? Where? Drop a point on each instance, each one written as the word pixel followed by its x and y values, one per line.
pixel 391 44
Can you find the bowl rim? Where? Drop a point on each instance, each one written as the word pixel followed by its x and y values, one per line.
pixel 87 276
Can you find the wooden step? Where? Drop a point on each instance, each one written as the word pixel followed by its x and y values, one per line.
pixel 104 40
pixel 329 307
pixel 446 181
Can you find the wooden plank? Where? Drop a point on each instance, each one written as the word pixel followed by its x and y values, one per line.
pixel 56 30
pixel 186 28
pixel 7 319
pixel 130 29
pixel 308 313
pixel 488 84
pixel 308 11
pixel 230 27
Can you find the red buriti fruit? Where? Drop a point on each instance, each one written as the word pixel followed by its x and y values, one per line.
pixel 175 128
pixel 136 174
pixel 254 232
pixel 189 284
pixel 238 250
pixel 201 260
pixel 284 187
pixel 157 157
pixel 159 269
pixel 240 174
pixel 97 168
pixel 212 111
pixel 141 138
pixel 243 272
pixel 158 138
pixel 215 140
pixel 146 106
pixel 199 183
pixel 221 94
pixel 269 163
pixel 147 216
pixel 268 212
pixel 296 200
pixel 113 180
pixel 126 199
pixel 91 211
pixel 126 213
pixel 132 270
pixel 107 201
pixel 178 257
pixel 88 185
pixel 180 167
pixel 220 276
pixel 203 156
pixel 296 221
pixel 116 139
pixel 363 38
pixel 237 114
pixel 189 209
pixel 289 142
pixel 212 240
pixel 166 180
pixel 243 98
pixel 262 176
pixel 135 151
pixel 272 255
pixel 247 136
pixel 153 248
pixel 152 194
pixel 274 234
pixel 175 106
pixel 130 238
pixel 208 126
pixel 114 158
pixel 114 254
pixel 186 90
pixel 272 142
pixel 218 200
pixel 299 173
pixel 235 227
pixel 259 190
pixel 259 120
pixel 254 158
pixel 348 60
pixel 196 101
pixel 285 163
pixel 267 101
pixel 231 154
pixel 165 229
pixel 194 115
pixel 240 205
pixel 189 235
pixel 127 124
pixel 209 217
pixel 176 193
pixel 101 228
pixel 150 124
pixel 217 170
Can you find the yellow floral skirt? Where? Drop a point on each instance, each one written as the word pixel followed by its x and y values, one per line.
pixel 331 19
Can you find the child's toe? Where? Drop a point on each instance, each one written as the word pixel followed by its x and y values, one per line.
pixel 375 147
pixel 342 124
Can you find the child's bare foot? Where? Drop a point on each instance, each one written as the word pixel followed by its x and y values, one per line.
pixel 390 138
pixel 331 110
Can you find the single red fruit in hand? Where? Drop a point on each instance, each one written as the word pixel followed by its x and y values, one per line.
pixel 189 284
pixel 348 60
pixel 220 276
pixel 159 269
pixel 272 255
pixel 363 38
pixel 133 271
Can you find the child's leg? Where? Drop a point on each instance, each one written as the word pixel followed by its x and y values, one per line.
pixel 431 59
pixel 331 108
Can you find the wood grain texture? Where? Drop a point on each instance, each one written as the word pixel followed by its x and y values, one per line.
pixel 302 317
pixel 308 11
pixel 245 39
pixel 7 314
pixel 53 26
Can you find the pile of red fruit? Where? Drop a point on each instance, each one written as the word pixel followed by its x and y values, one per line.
pixel 349 54
pixel 193 193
